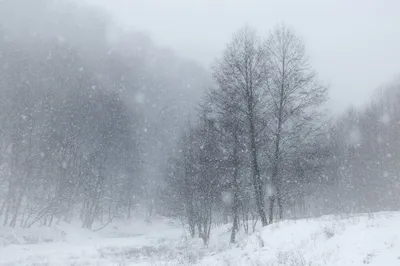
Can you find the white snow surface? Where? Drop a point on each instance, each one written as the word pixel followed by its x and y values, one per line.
pixel 359 239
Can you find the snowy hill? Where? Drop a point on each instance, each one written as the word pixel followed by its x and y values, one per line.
pixel 371 239
pixel 366 239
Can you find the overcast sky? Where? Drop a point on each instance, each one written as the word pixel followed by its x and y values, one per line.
pixel 354 44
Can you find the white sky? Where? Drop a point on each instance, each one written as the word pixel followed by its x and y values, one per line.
pixel 354 44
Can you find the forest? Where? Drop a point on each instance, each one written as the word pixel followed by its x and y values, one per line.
pixel 97 122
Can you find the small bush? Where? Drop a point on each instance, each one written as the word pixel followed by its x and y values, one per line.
pixel 292 259
pixel 329 231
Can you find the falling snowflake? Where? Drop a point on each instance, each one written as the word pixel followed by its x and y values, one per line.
pixel 227 198
pixel 270 190
pixel 139 98
pixel 385 119
pixel 354 137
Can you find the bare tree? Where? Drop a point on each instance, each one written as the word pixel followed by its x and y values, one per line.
pixel 230 128
pixel 242 71
pixel 295 100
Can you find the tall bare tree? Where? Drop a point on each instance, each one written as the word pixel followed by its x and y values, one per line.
pixel 295 100
pixel 231 128
pixel 242 71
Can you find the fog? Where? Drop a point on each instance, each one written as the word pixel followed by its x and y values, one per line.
pixel 201 112
pixel 60 60
pixel 347 40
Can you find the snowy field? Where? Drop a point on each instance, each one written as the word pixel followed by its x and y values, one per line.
pixel 367 239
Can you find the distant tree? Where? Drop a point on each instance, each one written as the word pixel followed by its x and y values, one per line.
pixel 83 118
pixel 181 180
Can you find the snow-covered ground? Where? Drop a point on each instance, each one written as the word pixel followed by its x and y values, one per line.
pixel 364 239
pixel 372 239
pixel 121 243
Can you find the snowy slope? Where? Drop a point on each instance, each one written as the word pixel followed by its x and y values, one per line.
pixel 372 239
pixel 367 239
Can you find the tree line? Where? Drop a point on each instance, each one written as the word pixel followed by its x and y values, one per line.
pixel 82 104
pixel 263 146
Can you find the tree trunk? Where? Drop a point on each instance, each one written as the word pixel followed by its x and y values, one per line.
pixel 235 227
pixel 235 206
pixel 258 190
pixel 191 218
pixel 271 209
pixel 279 201
pixel 246 221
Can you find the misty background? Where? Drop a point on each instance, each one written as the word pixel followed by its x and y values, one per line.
pixel 106 109
pixel 346 40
